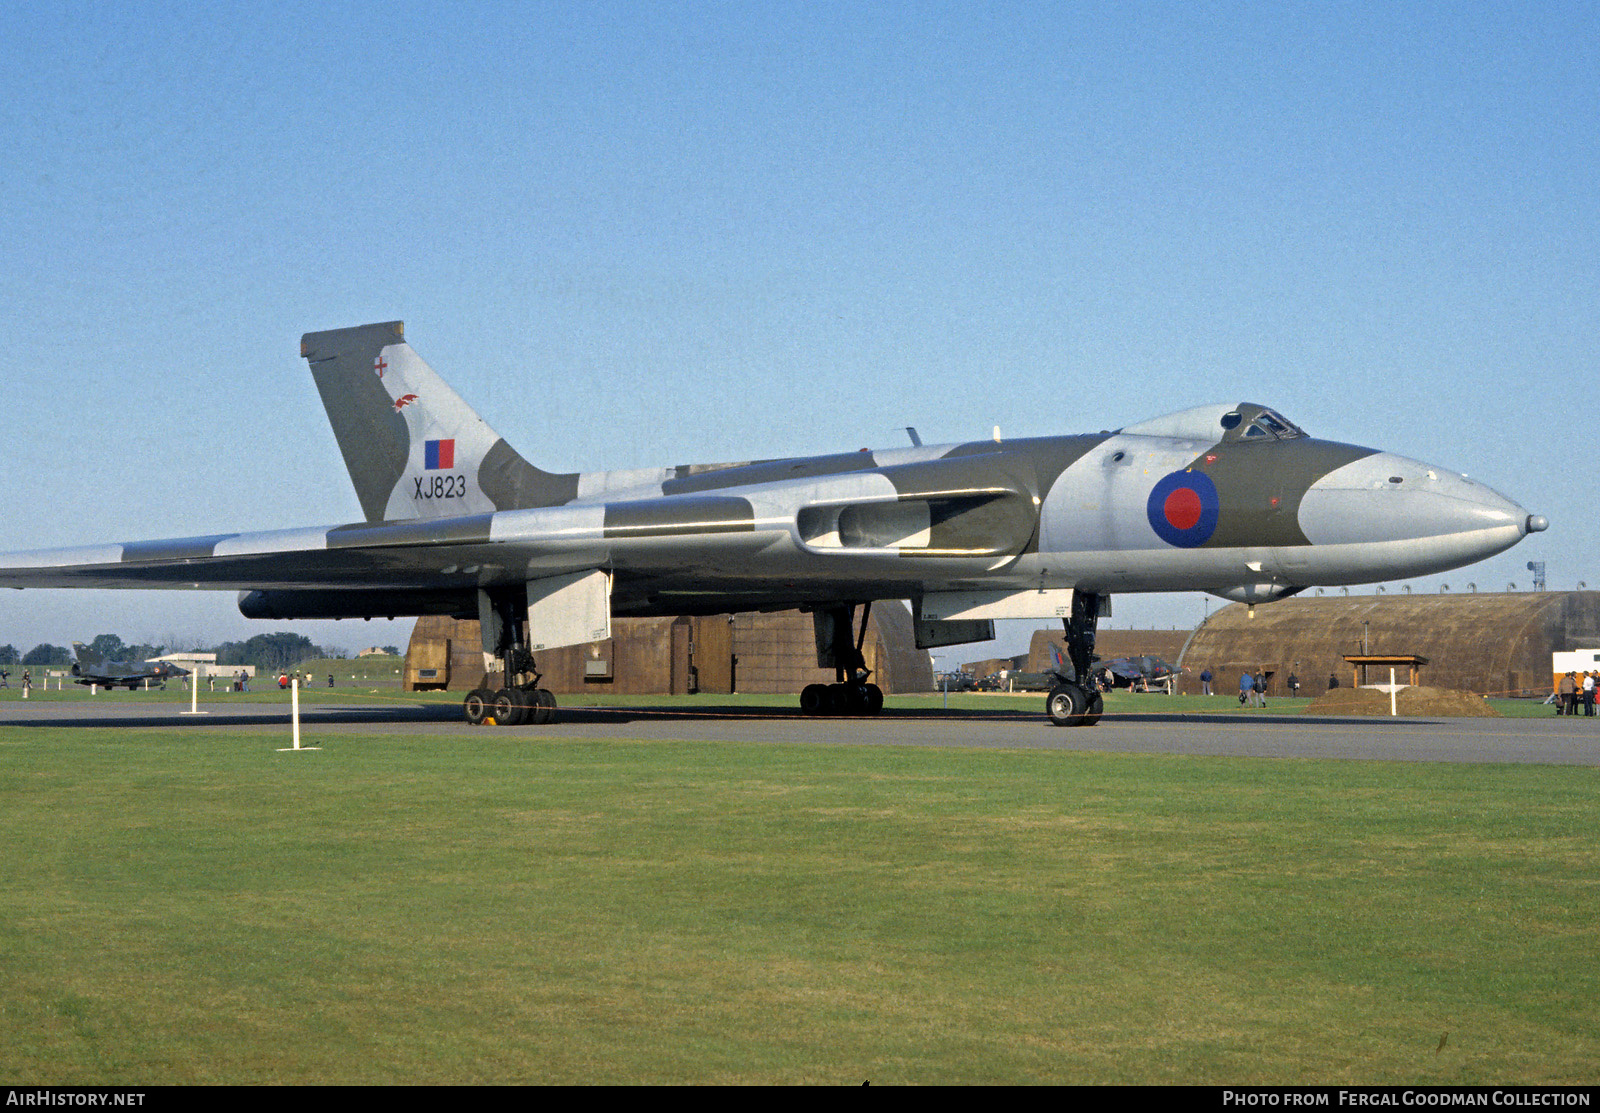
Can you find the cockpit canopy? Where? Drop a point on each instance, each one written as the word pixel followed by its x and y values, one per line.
pixel 1265 423
pixel 1242 421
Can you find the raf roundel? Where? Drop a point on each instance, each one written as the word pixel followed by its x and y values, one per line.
pixel 1183 509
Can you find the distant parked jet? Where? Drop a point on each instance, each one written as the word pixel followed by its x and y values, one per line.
pixel 92 668
pixel 1119 672
pixel 1135 672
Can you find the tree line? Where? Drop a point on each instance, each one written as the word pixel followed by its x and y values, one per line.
pixel 264 651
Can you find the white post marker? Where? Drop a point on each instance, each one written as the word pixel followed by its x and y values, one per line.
pixel 194 693
pixel 294 717
pixel 1394 691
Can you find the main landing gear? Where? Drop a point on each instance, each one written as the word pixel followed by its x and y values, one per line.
pixel 1070 703
pixel 521 700
pixel 841 699
pixel 850 694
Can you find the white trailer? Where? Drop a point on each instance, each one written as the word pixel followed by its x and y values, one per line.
pixel 1577 662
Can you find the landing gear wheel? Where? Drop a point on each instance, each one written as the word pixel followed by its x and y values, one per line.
pixel 1066 705
pixel 476 705
pixel 858 699
pixel 528 707
pixel 508 709
pixel 544 710
pixel 1097 707
pixel 814 699
pixel 847 699
pixel 874 699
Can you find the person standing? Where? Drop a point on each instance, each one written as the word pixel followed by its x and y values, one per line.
pixel 1261 689
pixel 1588 694
pixel 1294 685
pixel 1205 681
pixel 1247 687
pixel 1567 696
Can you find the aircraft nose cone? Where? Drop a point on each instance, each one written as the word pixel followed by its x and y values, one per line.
pixel 1424 518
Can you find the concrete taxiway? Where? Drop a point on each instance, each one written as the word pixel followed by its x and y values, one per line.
pixel 1553 741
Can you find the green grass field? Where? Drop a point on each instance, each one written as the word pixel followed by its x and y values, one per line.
pixel 199 908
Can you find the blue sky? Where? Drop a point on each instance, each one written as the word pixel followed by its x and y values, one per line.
pixel 653 233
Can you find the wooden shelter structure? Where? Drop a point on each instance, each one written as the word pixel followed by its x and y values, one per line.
pixel 1358 663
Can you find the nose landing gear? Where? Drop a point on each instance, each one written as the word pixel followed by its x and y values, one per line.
pixel 1074 702
pixel 1071 706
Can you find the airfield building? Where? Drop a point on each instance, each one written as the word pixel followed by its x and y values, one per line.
pixel 674 656
pixel 1494 644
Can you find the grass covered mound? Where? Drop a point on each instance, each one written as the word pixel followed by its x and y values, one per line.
pixel 1416 700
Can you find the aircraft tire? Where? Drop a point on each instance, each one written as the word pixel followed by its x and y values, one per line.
pixel 856 699
pixel 1097 707
pixel 476 706
pixel 838 700
pixel 814 699
pixel 1066 705
pixel 507 707
pixel 874 699
pixel 544 710
pixel 527 706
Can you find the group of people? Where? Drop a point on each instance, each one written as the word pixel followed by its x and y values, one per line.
pixel 283 680
pixel 1573 688
pixel 1252 686
pixel 1253 689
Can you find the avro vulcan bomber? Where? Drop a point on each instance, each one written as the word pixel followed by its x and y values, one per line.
pixel 1232 499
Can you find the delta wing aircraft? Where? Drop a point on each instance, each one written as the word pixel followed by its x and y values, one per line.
pixel 1232 499
pixel 1135 672
pixel 93 668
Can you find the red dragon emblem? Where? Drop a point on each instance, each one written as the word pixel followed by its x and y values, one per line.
pixel 403 401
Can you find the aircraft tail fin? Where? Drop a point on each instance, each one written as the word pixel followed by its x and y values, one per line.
pixel 86 656
pixel 413 448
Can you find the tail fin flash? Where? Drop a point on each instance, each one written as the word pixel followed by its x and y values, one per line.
pixel 414 449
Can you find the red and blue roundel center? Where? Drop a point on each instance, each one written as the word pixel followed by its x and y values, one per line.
pixel 1183 509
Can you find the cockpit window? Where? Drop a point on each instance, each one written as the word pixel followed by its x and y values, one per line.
pixel 1263 425
pixel 1278 425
